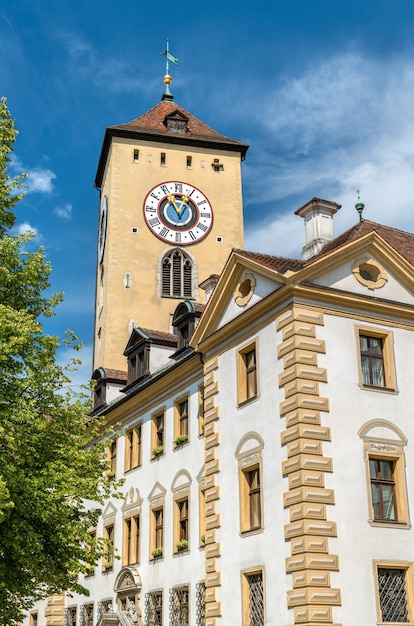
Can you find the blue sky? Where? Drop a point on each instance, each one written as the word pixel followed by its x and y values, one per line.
pixel 321 90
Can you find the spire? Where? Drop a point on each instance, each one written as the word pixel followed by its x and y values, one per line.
pixel 167 95
pixel 359 205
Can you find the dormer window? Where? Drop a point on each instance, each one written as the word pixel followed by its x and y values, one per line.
pixel 185 320
pixel 138 362
pixel 176 123
pixel 137 366
pixel 146 350
pixel 108 384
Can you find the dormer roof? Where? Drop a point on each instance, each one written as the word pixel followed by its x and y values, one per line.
pixel 141 335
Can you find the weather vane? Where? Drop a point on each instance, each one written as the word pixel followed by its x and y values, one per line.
pixel 167 78
pixel 359 205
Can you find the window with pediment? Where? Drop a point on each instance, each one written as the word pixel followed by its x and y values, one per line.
pixel 385 473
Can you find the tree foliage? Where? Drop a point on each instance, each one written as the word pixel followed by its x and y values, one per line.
pixel 48 467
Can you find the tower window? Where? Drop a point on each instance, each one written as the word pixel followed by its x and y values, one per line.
pixel 189 160
pixel 163 158
pixel 177 273
pixel 136 155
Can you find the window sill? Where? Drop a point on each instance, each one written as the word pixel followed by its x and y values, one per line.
pixel 391 390
pixel 132 469
pixel 251 531
pixel 390 524
pixel 243 403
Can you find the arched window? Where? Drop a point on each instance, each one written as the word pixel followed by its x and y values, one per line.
pixel 177 274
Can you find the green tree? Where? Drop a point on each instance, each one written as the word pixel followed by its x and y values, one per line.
pixel 48 467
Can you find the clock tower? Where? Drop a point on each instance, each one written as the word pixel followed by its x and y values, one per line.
pixel 170 213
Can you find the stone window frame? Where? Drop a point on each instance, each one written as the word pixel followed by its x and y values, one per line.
pixel 243 394
pixel 245 575
pixel 369 272
pixel 133 447
pixel 387 337
pixel 389 448
pixel 408 567
pixel 249 457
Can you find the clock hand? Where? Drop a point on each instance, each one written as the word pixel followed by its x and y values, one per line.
pixel 171 200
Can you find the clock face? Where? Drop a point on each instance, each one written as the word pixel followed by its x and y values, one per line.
pixel 102 228
pixel 178 213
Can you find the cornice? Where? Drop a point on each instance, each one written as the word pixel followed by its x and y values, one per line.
pixel 325 299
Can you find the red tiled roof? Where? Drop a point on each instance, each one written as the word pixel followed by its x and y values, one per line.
pixel 116 375
pixel 153 122
pixel 159 336
pixel 401 241
pixel 278 263
pixel 151 126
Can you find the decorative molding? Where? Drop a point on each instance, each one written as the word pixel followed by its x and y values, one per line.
pixel 305 467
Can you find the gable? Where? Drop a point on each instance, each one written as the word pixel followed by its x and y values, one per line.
pixel 250 289
pixel 367 275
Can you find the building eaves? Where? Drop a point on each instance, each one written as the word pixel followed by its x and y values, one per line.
pixel 401 241
pixel 278 263
pixel 151 127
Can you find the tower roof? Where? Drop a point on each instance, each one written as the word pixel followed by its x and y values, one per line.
pixel 167 122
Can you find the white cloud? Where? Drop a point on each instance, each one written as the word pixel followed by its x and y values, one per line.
pixel 345 124
pixel 39 180
pixel 25 227
pixel 64 212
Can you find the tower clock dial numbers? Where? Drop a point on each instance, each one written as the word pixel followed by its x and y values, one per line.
pixel 178 213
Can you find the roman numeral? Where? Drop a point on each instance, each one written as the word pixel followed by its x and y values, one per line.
pixel 165 189
pixel 178 188
pixel 164 232
pixel 154 222
pixel 190 194
pixel 201 202
pixel 202 227
pixel 150 209
pixel 178 237
pixel 154 196
pixel 192 235
pixel 208 215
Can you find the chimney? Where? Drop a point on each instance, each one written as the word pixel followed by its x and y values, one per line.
pixel 208 285
pixel 318 215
